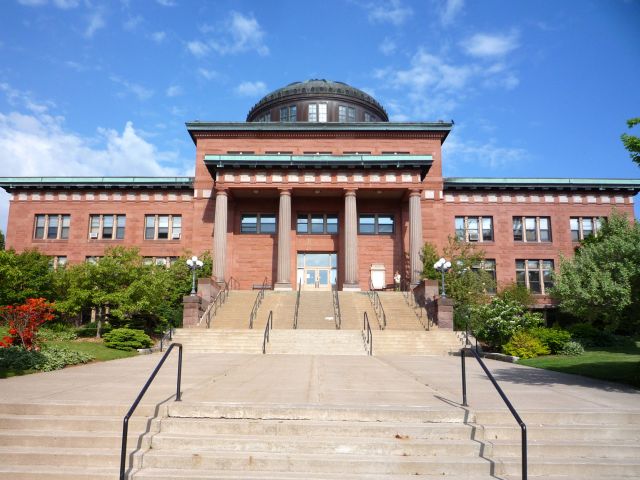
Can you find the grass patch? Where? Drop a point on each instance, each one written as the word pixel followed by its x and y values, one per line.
pixel 615 364
pixel 95 349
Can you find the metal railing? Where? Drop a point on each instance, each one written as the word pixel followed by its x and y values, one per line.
pixel 523 427
pixel 214 306
pixel 366 333
pixel 295 314
pixel 267 329
pixel 374 298
pixel 258 301
pixel 125 421
pixel 336 307
pixel 419 310
pixel 168 336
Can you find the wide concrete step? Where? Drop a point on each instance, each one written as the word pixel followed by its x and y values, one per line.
pixel 63 439
pixel 319 463
pixel 318 428
pixel 89 411
pixel 562 417
pixel 164 474
pixel 416 415
pixel 399 445
pixel 70 423
pixel 52 456
pixel 578 467
pixel 44 472
pixel 566 449
pixel 595 433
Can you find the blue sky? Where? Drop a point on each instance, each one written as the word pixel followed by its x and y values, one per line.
pixel 539 88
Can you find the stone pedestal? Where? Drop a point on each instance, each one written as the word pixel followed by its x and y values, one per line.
pixel 445 313
pixel 191 311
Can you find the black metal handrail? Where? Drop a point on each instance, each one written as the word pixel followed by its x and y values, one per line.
pixel 168 335
pixel 366 333
pixel 336 307
pixel 258 301
pixel 125 421
pixel 418 309
pixel 267 330
pixel 214 306
pixel 295 313
pixel 523 426
pixel 374 298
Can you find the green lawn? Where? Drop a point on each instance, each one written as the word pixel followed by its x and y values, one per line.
pixel 616 364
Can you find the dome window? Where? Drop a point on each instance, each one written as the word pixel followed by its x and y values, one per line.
pixel 346 114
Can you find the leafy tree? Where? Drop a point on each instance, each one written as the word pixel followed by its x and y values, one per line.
pixel 631 142
pixel 517 293
pixel 601 284
pixel 24 321
pixel 1 240
pixel 24 275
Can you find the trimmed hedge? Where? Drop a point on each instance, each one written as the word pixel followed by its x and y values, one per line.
pixel 46 360
pixel 127 339
pixel 554 339
pixel 525 345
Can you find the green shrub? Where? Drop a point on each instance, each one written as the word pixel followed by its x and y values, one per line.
pixel 590 336
pixel 57 332
pixel 47 359
pixel 496 322
pixel 524 345
pixel 572 348
pixel 553 338
pixel 127 339
pixel 90 329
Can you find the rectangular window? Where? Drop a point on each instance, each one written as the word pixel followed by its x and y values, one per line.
pixel 489 266
pixel 322 112
pixel 159 261
pixel 376 224
pixel 536 275
pixel 583 227
pixel 57 261
pixel 317 224
pixel 474 229
pixel 106 227
pixel 532 229
pixel 288 114
pixel 162 227
pixel 368 117
pixel 313 112
pixel 346 114
pixel 51 227
pixel 258 223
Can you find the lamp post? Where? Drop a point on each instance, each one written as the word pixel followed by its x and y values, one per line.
pixel 443 267
pixel 193 263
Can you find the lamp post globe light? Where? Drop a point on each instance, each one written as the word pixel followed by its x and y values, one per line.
pixel 443 267
pixel 194 263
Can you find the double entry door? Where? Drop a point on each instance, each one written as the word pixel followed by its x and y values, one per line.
pixel 317 271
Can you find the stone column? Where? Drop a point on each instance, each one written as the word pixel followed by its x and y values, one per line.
pixel 220 236
pixel 284 241
pixel 350 242
pixel 415 236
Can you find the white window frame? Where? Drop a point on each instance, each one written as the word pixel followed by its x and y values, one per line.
pixel 97 232
pixel 523 219
pixel 466 236
pixel 540 269
pixel 174 232
pixel 62 228
pixel 596 222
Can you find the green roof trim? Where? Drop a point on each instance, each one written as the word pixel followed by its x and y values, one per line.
pixel 10 183
pixel 311 161
pixel 460 183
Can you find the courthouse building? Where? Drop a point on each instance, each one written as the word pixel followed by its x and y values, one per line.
pixel 317 188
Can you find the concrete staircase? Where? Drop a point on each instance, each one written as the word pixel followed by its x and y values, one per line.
pixel 68 442
pixel 282 304
pixel 352 308
pixel 565 444
pixel 316 342
pixel 400 316
pixel 235 312
pixel 212 441
pixel 199 340
pixel 403 342
pixel 316 311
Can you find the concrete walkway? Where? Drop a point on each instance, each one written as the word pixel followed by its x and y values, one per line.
pixel 429 382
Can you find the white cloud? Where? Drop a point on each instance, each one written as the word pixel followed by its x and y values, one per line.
pixel 39 144
pixel 139 91
pixel 449 9
pixel 433 86
pixel 174 91
pixel 391 11
pixel 387 47
pixel 484 45
pixel 64 4
pixel 198 48
pixel 167 3
pixel 238 34
pixel 208 74
pixel 485 154
pixel 158 37
pixel 96 22
pixel 251 89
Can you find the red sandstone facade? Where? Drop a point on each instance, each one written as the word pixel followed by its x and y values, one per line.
pixel 348 170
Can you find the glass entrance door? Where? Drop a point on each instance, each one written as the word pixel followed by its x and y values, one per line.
pixel 317 271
